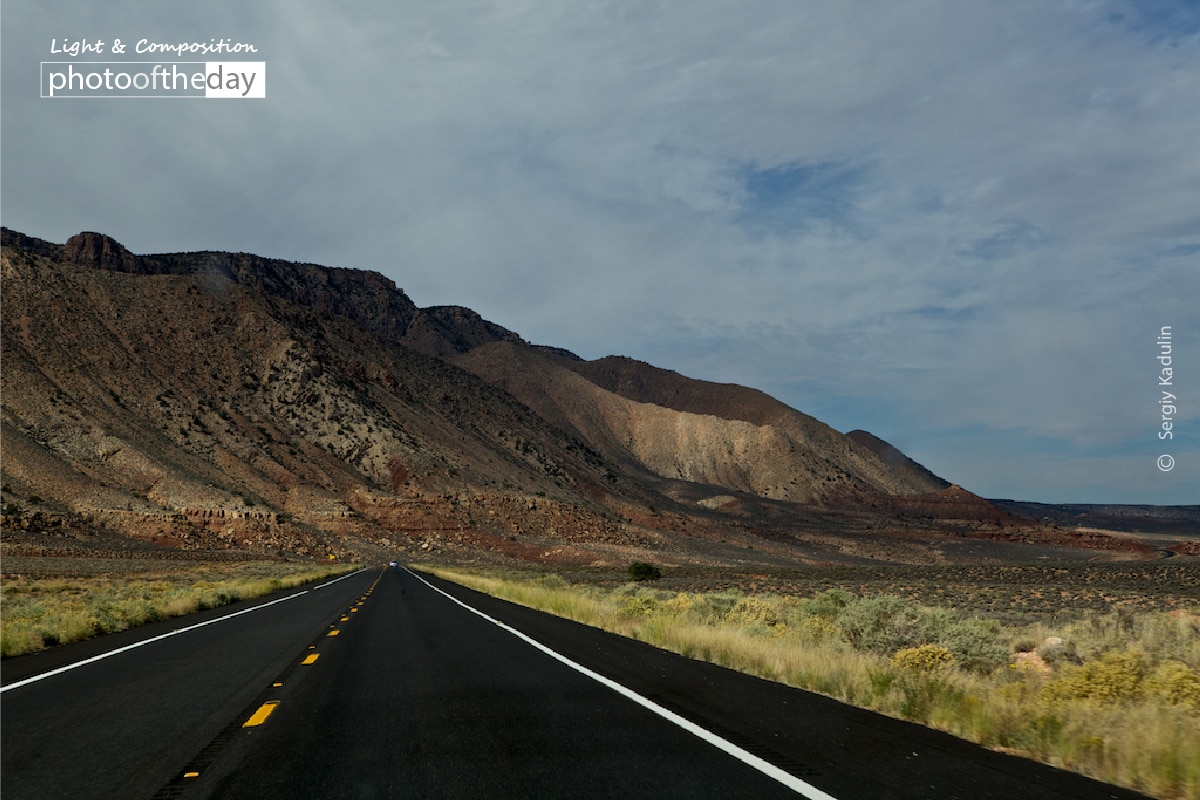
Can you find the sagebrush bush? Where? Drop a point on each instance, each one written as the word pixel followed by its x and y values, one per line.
pixel 714 607
pixel 975 643
pixel 885 624
pixel 827 604
pixel 881 624
pixel 1055 650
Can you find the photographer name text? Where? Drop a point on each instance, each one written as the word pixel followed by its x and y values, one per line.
pixel 1167 402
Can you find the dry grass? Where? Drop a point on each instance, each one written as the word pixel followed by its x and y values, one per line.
pixel 41 612
pixel 1114 695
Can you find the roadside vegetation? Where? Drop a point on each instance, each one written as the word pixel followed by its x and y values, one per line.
pixel 1111 694
pixel 36 613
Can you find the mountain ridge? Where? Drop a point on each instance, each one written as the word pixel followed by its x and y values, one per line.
pixel 299 408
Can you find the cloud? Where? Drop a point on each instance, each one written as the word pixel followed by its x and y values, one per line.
pixel 920 218
pixel 1011 238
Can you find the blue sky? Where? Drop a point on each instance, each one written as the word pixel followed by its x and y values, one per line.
pixel 959 225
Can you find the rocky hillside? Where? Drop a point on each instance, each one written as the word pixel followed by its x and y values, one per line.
pixel 693 432
pixel 205 400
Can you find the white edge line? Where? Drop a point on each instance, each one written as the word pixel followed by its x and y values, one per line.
pixel 161 636
pixel 746 757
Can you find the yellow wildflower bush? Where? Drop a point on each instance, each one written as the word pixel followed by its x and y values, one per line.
pixel 1115 678
pixel 1175 682
pixel 925 658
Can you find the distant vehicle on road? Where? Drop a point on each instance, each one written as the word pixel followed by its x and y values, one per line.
pixel 393 564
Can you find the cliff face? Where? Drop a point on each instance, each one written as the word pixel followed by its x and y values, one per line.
pixel 725 437
pixel 815 453
pixel 282 401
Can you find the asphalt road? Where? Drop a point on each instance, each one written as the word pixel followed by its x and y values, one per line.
pixel 382 686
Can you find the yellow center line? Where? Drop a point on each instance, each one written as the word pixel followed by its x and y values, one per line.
pixel 260 716
pixel 311 659
pixel 333 633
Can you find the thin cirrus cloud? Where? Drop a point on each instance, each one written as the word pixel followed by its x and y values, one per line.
pixel 960 226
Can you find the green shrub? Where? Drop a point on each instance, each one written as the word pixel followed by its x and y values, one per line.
pixel 880 624
pixel 828 603
pixel 640 571
pixel 713 608
pixel 974 643
pixel 1055 650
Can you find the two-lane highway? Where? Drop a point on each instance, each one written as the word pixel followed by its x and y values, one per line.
pixel 422 698
pixel 392 684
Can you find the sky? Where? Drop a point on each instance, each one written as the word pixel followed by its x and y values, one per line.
pixel 960 225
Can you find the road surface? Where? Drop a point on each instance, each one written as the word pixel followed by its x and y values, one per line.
pixel 389 684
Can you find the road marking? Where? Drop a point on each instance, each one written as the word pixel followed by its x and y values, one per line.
pixel 333 633
pixel 191 774
pixel 311 659
pixel 745 756
pixel 260 716
pixel 161 636
pixel 335 580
